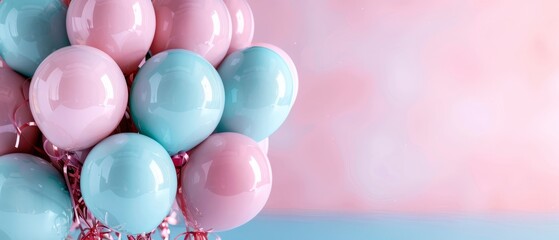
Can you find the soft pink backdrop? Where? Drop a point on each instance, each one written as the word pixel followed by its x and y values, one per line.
pixel 417 106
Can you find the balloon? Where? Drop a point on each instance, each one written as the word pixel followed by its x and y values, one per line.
pixel 259 92
pixel 34 200
pixel 177 99
pixel 29 31
pixel 289 61
pixel 14 109
pixel 129 183
pixel 242 24
pixel 264 145
pixel 78 96
pixel 124 29
pixel 225 183
pixel 201 26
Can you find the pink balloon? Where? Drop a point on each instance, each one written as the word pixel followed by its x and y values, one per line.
pixel 225 183
pixel 201 26
pixel 15 112
pixel 124 29
pixel 78 96
pixel 289 61
pixel 264 145
pixel 242 22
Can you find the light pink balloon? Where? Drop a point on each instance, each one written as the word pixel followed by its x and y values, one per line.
pixel 78 96
pixel 14 111
pixel 289 61
pixel 201 26
pixel 225 183
pixel 264 145
pixel 124 29
pixel 242 22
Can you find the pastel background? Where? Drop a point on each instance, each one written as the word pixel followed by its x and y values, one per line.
pixel 407 106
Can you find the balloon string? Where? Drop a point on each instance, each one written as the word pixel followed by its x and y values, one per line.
pixel 22 127
pixel 194 235
pixel 197 235
pixel 69 164
pixel 181 159
pixel 164 230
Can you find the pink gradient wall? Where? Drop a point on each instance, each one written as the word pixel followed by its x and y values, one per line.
pixel 417 106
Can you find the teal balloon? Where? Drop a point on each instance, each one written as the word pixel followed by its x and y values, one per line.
pixel 129 183
pixel 34 200
pixel 177 98
pixel 259 92
pixel 30 30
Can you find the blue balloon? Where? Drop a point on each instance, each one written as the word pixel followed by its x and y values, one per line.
pixel 34 200
pixel 129 183
pixel 177 98
pixel 30 30
pixel 259 92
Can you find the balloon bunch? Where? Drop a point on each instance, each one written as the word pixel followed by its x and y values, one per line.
pixel 141 105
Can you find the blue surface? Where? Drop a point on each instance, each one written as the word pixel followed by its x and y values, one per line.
pixel 392 227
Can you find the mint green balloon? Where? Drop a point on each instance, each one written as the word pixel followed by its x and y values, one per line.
pixel 129 183
pixel 30 30
pixel 177 99
pixel 34 200
pixel 259 92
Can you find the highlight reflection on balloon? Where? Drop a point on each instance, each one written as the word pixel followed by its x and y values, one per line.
pixel 242 22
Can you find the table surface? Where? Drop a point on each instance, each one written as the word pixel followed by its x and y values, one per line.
pixel 396 227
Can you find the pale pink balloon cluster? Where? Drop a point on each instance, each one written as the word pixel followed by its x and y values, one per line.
pixel 78 96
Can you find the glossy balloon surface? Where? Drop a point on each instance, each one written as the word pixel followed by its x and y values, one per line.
pixel 124 29
pixel 30 30
pixel 242 22
pixel 201 26
pixel 290 63
pixel 225 183
pixel 78 96
pixel 34 200
pixel 259 92
pixel 14 113
pixel 129 183
pixel 177 98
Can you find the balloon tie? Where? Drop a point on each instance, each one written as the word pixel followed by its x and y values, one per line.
pixel 179 160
